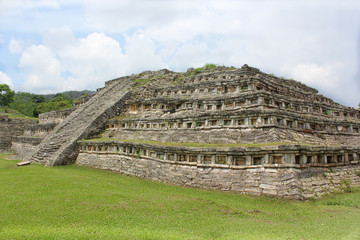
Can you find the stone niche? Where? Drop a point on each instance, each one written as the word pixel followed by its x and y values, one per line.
pixel 296 173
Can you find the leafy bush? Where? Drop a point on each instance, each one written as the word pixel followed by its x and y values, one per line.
pixel 6 95
pixel 210 66
pixel 198 70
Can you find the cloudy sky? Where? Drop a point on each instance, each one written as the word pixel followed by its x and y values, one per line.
pixel 48 46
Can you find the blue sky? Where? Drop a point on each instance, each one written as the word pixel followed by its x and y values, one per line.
pixel 48 46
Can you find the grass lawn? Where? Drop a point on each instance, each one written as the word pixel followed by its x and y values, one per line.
pixel 73 202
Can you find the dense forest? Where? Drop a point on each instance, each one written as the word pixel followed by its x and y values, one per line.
pixel 32 105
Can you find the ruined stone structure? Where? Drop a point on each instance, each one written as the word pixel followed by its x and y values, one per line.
pixel 10 128
pixel 33 134
pixel 222 128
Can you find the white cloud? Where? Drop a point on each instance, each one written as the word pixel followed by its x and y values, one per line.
pixel 43 70
pixel 332 80
pixel 114 15
pixel 316 75
pixel 127 36
pixel 69 63
pixel 16 46
pixel 92 60
pixel 5 79
pixel 190 55
pixel 58 38
pixel 141 54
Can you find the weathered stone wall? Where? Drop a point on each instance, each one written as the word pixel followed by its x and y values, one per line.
pixel 55 116
pixel 314 182
pixel 210 135
pixel 40 130
pixel 25 146
pixel 11 128
pixel 255 181
pixel 289 182
pixel 204 132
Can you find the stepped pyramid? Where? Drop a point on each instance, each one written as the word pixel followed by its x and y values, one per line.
pixel 214 127
pixel 232 106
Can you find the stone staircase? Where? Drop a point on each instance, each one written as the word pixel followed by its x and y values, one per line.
pixel 60 146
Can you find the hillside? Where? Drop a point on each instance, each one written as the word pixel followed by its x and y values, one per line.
pixel 70 94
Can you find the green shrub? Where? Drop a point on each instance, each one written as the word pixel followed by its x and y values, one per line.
pixel 198 70
pixel 210 66
pixel 346 185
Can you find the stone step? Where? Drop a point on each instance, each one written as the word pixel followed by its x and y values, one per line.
pixel 59 146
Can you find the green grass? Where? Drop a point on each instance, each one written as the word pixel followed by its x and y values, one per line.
pixel 195 71
pixel 14 114
pixel 73 202
pixel 144 81
pixel 141 81
pixel 190 144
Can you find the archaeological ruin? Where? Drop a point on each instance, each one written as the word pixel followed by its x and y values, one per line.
pixel 232 129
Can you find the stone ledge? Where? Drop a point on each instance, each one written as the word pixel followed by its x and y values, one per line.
pixel 286 182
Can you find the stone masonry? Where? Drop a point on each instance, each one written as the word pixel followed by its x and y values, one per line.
pixel 60 146
pixel 223 128
pixel 10 128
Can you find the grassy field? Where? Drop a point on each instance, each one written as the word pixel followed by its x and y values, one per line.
pixel 73 202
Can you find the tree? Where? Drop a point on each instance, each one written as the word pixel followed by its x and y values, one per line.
pixel 59 102
pixel 24 103
pixel 38 99
pixel 6 95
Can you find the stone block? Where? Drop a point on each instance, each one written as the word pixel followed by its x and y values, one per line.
pixel 267 186
pixel 270 192
pixel 23 163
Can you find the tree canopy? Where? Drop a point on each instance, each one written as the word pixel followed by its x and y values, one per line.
pixel 60 101
pixel 6 95
pixel 32 104
pixel 25 103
